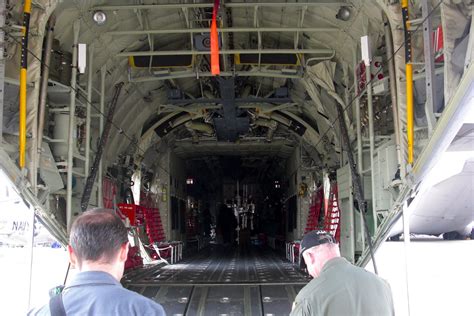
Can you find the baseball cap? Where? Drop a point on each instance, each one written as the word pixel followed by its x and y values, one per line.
pixel 313 239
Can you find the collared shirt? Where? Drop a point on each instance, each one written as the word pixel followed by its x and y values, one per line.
pixel 99 293
pixel 344 289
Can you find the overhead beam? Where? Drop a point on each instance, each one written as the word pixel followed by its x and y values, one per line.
pixel 200 74
pixel 237 100
pixel 229 51
pixel 145 25
pixel 226 30
pixel 224 5
pixel 190 109
pixel 266 109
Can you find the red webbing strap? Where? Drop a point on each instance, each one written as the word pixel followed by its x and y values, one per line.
pixel 215 69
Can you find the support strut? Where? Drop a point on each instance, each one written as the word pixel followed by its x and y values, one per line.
pixel 358 190
pixel 102 143
pixel 409 80
pixel 23 72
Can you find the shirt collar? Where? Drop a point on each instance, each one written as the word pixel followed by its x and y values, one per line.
pixel 334 262
pixel 93 277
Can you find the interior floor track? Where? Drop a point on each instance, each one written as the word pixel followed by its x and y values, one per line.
pixel 222 281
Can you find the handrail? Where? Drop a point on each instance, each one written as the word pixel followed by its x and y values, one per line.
pixel 409 80
pixel 23 77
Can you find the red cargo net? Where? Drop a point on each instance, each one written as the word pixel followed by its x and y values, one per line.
pixel 109 192
pixel 314 210
pixel 153 224
pixel 134 259
pixel 332 219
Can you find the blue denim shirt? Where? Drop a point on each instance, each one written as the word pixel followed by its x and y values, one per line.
pixel 99 293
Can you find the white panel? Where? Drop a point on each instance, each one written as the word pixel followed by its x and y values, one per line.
pixel 385 168
pixel 346 202
pixel 81 58
pixel 365 49
pixel 49 171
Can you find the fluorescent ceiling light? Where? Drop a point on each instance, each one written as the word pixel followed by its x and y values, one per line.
pixel 81 58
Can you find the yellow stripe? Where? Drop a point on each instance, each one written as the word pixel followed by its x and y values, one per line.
pixel 27 6
pixel 409 95
pixel 131 61
pixel 22 130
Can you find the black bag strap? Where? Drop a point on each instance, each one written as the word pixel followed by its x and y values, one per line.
pixel 56 305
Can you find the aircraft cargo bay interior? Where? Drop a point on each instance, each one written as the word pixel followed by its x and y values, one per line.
pixel 221 132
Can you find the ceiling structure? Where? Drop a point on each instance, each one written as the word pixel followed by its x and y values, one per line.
pixel 252 101
pixel 285 67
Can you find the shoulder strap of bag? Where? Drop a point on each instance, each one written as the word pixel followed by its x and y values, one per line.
pixel 56 305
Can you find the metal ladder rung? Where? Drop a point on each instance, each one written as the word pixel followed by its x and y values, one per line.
pixel 54 140
pixel 79 174
pixel 78 156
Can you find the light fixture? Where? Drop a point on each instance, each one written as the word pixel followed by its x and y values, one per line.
pixel 99 17
pixel 81 57
pixel 344 14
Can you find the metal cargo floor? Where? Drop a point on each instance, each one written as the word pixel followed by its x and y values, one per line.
pixel 223 282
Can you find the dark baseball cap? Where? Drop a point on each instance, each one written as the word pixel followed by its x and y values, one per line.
pixel 313 239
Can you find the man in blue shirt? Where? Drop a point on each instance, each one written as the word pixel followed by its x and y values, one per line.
pixel 98 248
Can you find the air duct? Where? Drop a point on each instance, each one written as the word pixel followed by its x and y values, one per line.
pixel 194 127
pixel 270 124
pixel 246 91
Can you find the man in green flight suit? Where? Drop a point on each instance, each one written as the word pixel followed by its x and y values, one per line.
pixel 338 288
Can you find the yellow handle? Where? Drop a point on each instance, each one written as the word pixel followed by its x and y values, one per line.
pixel 23 73
pixel 410 128
pixel 22 131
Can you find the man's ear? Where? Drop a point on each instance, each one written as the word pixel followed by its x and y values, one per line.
pixel 123 252
pixel 72 256
pixel 311 256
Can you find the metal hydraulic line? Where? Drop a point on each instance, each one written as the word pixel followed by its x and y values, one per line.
pixel 102 143
pixel 2 64
pixel 88 110
pixel 359 133
pixel 370 113
pixel 103 72
pixel 393 93
pixel 23 72
pixel 357 183
pixel 430 79
pixel 71 129
pixel 409 80
pixel 44 81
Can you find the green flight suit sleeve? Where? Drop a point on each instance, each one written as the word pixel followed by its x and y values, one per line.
pixel 302 308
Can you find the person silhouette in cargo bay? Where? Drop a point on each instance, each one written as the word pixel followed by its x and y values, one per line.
pixel 338 287
pixel 98 248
